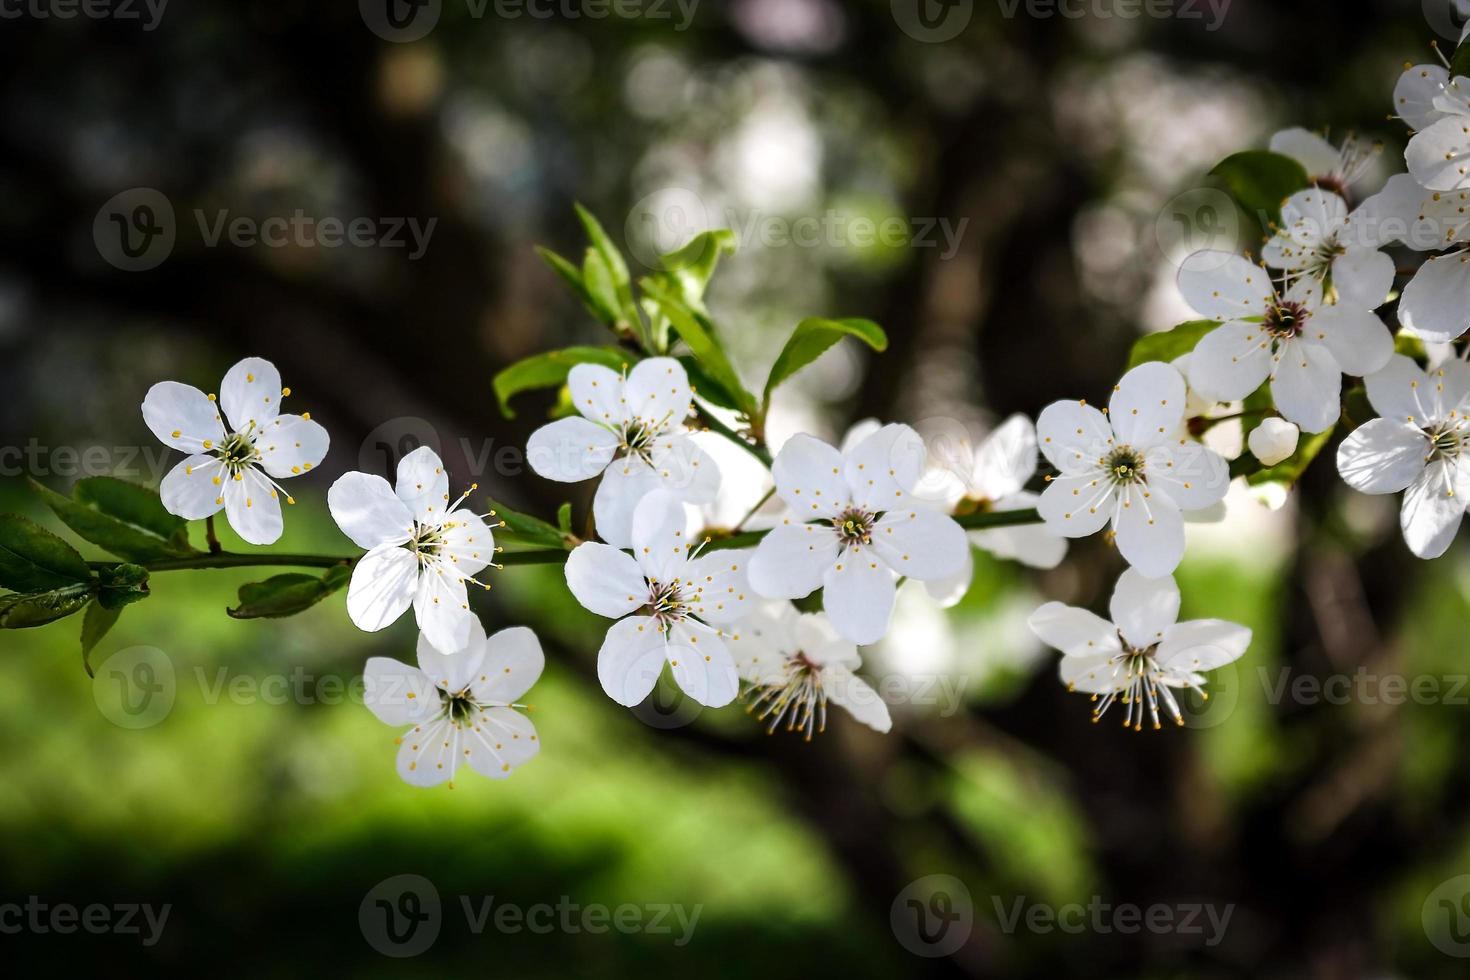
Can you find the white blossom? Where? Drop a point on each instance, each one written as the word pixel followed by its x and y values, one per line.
pixel 1273 441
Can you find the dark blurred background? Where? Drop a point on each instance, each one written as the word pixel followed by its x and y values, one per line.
pixel 1053 149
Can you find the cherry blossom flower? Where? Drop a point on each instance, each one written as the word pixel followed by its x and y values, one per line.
pixel 867 529
pixel 1418 446
pixel 795 663
pixel 460 706
pixel 1318 238
pixel 1144 654
pixel 422 549
pixel 1273 441
pixel 681 599
pixel 1329 167
pixel 631 431
pixel 1131 467
pixel 239 445
pixel 1303 345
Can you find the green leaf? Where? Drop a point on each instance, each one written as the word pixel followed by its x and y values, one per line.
pixel 1460 63
pixel 1166 345
pixel 95 625
pixel 564 518
pixel 691 267
pixel 811 338
pixel 21 611
pixel 550 370
pixel 121 585
pixel 528 529
pixel 1411 347
pixel 600 288
pixel 1260 181
pixel 287 595
pixel 573 278
pixel 1289 470
pixel 32 559
pixel 704 342
pixel 139 530
pixel 627 310
pixel 706 387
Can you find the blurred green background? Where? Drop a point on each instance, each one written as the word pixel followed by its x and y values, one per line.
pixel 1055 148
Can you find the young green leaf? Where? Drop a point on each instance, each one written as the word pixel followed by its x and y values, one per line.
pixel 21 611
pixel 572 276
pixel 1166 345
pixel 121 585
pixel 527 529
pixel 550 370
pixel 1260 181
pixel 289 594
pixel 697 331
pixel 600 288
pixel 690 268
pixel 32 559
pixel 564 518
pixel 811 338
pixel 132 541
pixel 96 623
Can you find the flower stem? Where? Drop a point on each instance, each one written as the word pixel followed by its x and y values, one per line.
pixel 225 559
pixel 758 505
pixel 715 425
pixel 210 537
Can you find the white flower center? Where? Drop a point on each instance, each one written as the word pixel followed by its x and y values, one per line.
pixel 1125 466
pixel 1139 682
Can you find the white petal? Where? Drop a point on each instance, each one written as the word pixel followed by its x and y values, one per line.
pixel 453 670
pixel 442 609
pixel 1073 436
pixel 250 394
pixel 631 658
pixel 808 475
pixel 921 543
pixel 1147 405
pixel 290 445
pixel 1007 459
pixel 1317 156
pixel 383 586
pixel 1307 385
pixel 597 392
pixel 701 665
pixel 571 450
pixel 423 486
pixel 851 693
pixel 789 562
pixel 858 593
pixel 1189 473
pixel 1308 218
pixel 1224 286
pixel 722 592
pixel 1415 92
pixel 396 693
pixel 1382 456
pixel 1431 514
pixel 883 470
pixel 1439 155
pixel 658 393
pixel 1143 608
pixel 429 753
pixel 468 543
pixel 253 507
pixel 368 511
pixel 1202 644
pixel 948 591
pixel 498 741
pixel 1359 341
pixel 1091 674
pixel 1150 533
pixel 1363 277
pixel 1075 632
pixel 190 491
pixel 661 539
pixel 624 485
pixel 684 469
pixel 605 580
pixel 1034 545
pixel 1401 391
pixel 857 432
pixel 1436 302
pixel 1230 361
pixel 1403 211
pixel 170 407
pixel 1076 506
pixel 817 639
pixel 513 663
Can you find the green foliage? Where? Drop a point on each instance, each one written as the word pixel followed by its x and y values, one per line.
pixel 1260 181
pixel 617 290
pixel 550 370
pixel 1460 63
pixel 32 559
pixel 1166 345
pixel 287 595
pixel 811 338
pixel 95 625
pixel 532 530
pixel 121 585
pixel 690 268
pixel 22 610
pixel 696 330
pixel 122 518
pixel 564 518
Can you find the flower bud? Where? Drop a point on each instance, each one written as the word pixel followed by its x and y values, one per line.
pixel 1273 440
